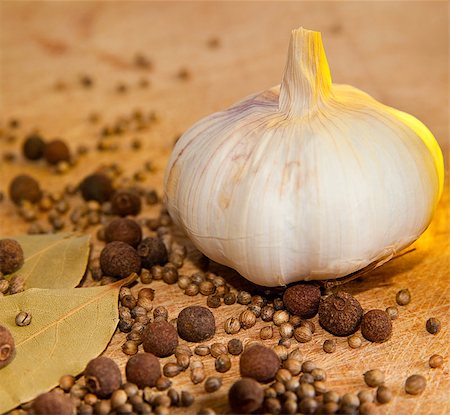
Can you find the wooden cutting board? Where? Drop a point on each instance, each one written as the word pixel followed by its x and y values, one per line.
pixel 398 52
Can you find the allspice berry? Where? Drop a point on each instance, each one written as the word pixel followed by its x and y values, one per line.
pixel 96 186
pixel 11 256
pixel 376 326
pixel 102 376
pixel 24 187
pixel 259 362
pixel 33 147
pixel 160 338
pixel 302 300
pixel 196 324
pixel 374 378
pixel 143 369
pixel 56 151
pixel 119 259
pixel 340 314
pixel 245 396
pixel 126 202
pixel 152 252
pixel 7 347
pixel 124 230
pixel 53 403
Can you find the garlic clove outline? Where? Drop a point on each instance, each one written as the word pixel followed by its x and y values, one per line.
pixel 307 180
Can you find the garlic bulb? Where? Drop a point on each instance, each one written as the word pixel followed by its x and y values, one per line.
pixel 305 181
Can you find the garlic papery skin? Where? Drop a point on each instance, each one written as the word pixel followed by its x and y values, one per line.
pixel 308 180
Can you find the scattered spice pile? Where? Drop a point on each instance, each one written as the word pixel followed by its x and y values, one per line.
pixel 273 380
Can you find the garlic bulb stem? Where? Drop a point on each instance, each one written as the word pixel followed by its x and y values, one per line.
pixel 306 82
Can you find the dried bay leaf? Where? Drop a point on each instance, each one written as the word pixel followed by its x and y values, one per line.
pixel 53 260
pixel 69 327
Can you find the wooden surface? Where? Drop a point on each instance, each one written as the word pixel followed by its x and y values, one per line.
pixel 398 52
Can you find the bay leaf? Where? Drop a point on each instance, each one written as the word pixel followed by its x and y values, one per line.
pixel 69 327
pixel 53 261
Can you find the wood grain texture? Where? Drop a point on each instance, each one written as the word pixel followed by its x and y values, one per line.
pixel 397 52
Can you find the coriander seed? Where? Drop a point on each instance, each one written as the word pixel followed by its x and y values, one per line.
pixel 229 298
pixel 213 301
pixel 374 378
pixel 403 297
pixel 244 297
pixel 235 347
pixel 435 361
pixel 415 384
pixel 280 317
pixel 308 406
pixel 217 349
pixel 202 350
pixel 384 394
pixel 232 325
pixel 303 334
pixel 130 347
pixel 247 319
pixel 222 363
pixel 354 341
pixel 330 396
pixel 286 330
pixel 186 398
pixel 329 346
pixel 23 319
pixel 433 325
pixel 392 312
pixel 162 384
pixel 365 396
pixel 192 290
pixel 267 313
pixel 266 333
pixel 197 375
pixel 66 382
pixel 293 365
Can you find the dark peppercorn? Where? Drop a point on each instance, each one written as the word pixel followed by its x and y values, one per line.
pixel 376 326
pixel 11 256
pixel 53 403
pixel 196 324
pixel 24 187
pixel 143 369
pixel 160 338
pixel 259 362
pixel 235 347
pixel 119 259
pixel 7 347
pixel 340 314
pixel 124 230
pixel 126 202
pixel 97 187
pixel 245 396
pixel 56 151
pixel 33 147
pixel 433 325
pixel 152 252
pixel 302 300
pixel 102 376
